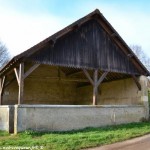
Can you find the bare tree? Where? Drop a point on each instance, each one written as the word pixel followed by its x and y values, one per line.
pixel 4 55
pixel 141 55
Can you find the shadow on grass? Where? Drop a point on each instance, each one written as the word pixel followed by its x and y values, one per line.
pixel 89 129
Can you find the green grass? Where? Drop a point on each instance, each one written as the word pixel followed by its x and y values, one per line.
pixel 74 140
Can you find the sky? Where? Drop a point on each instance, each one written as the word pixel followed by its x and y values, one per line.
pixel 24 23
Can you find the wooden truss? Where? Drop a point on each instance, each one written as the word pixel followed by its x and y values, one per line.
pixel 95 82
pixel 21 75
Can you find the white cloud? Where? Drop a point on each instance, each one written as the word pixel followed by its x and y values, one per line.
pixel 20 32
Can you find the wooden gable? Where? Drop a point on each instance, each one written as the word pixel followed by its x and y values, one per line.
pixel 88 46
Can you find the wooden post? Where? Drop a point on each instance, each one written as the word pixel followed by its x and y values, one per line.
pixel 17 74
pixel 20 76
pixel 95 82
pixel 95 87
pixel 0 91
pixel 88 76
pixel 21 83
pixel 2 82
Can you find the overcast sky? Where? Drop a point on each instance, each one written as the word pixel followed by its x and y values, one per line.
pixel 24 23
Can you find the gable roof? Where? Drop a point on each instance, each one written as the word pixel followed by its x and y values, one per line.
pixel 52 39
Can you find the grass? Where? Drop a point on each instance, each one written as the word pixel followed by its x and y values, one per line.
pixel 75 140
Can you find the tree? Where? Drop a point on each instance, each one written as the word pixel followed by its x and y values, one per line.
pixel 4 55
pixel 141 55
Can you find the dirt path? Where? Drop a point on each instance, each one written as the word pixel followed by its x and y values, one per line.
pixel 141 143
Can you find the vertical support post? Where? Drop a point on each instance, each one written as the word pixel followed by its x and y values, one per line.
pixel 2 82
pixel 95 87
pixel 0 91
pixel 144 94
pixel 95 82
pixel 21 83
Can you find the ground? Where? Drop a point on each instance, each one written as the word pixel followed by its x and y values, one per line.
pixel 140 143
pixel 75 140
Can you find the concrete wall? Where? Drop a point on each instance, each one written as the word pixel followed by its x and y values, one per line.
pixel 121 101
pixel 58 118
pixel 7 118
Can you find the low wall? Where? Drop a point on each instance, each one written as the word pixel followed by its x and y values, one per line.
pixel 7 118
pixel 61 118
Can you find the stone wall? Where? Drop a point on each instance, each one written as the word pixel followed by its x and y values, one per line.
pixel 120 92
pixel 42 87
pixel 62 118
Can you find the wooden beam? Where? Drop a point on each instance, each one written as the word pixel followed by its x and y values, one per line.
pixel 62 79
pixel 101 78
pixel 136 82
pixel 73 73
pixel 2 82
pixel 17 74
pixel 95 87
pixel 88 76
pixel 21 83
pixel 31 70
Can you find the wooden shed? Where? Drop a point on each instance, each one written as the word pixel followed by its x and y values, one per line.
pixel 87 63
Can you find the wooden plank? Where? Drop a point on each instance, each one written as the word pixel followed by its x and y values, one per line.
pixel 124 48
pixel 88 76
pixel 136 82
pixel 101 78
pixel 21 83
pixel 95 87
pixel 17 74
pixel 31 70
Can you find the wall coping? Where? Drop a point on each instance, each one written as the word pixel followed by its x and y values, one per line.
pixel 6 106
pixel 74 106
